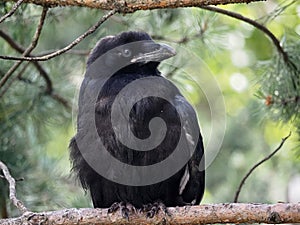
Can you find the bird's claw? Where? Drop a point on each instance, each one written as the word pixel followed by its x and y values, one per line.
pixel 125 209
pixel 114 207
pixel 153 209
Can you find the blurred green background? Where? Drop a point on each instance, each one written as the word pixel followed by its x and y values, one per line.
pixel 35 129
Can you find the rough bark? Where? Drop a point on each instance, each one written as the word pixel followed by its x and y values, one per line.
pixel 203 214
pixel 133 5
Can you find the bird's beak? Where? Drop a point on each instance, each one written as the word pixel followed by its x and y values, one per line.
pixel 154 53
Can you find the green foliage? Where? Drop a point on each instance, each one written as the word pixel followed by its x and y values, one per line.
pixel 27 113
pixel 280 85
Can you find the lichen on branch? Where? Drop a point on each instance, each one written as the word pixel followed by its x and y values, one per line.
pixel 125 6
pixel 203 214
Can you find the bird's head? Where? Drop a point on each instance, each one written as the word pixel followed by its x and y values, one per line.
pixel 136 50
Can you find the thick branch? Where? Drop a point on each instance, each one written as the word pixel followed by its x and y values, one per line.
pixel 203 214
pixel 134 5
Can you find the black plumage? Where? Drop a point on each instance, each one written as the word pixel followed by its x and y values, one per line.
pixel 138 61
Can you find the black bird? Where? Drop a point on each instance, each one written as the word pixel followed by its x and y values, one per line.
pixel 114 63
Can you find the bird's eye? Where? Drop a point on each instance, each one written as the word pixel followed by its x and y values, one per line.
pixel 126 52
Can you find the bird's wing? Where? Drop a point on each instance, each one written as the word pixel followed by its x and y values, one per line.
pixel 192 183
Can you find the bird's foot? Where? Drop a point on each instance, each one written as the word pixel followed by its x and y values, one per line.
pixel 153 209
pixel 125 209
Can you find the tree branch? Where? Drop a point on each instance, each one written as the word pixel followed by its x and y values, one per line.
pixel 253 23
pixel 203 214
pixel 11 81
pixel 257 165
pixel 11 42
pixel 61 100
pixel 12 11
pixel 68 47
pixel 43 73
pixel 12 189
pixel 32 45
pixel 127 6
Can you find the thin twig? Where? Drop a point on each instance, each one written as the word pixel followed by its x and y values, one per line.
pixel 61 100
pixel 45 76
pixel 257 165
pixel 79 52
pixel 12 188
pixel 18 179
pixel 281 7
pixel 38 66
pixel 32 45
pixel 68 47
pixel 71 52
pixel 11 42
pixel 11 81
pixel 37 32
pixel 253 23
pixel 61 51
pixel 12 11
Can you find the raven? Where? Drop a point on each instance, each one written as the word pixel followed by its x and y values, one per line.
pixel 115 63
